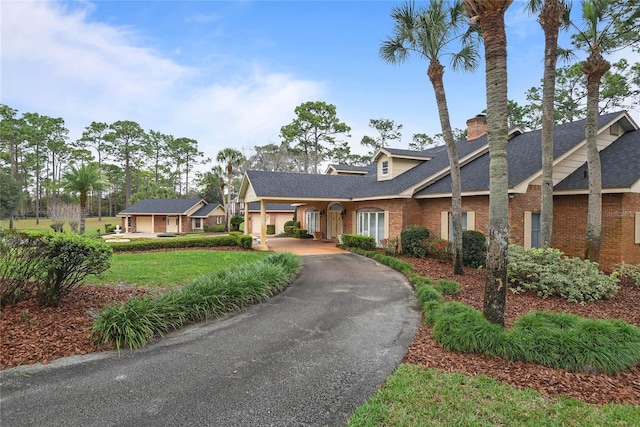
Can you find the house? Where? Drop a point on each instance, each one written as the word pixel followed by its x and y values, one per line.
pixel 171 216
pixel 402 187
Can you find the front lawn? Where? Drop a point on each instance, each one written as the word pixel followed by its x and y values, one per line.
pixel 172 268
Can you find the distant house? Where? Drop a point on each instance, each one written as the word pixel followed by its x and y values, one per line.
pixel 170 215
pixel 402 187
pixel 276 214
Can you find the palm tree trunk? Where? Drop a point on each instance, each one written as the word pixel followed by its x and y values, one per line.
pixel 495 42
pixel 435 73
pixel 594 68
pixel 550 20
pixel 83 211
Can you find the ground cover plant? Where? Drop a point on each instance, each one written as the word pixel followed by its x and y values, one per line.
pixel 169 269
pixel 138 320
pixel 93 225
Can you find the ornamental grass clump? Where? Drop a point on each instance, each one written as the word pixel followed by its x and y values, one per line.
pixel 447 287
pixel 133 323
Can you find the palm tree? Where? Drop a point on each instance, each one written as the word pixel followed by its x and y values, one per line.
pixel 82 180
pixel 489 14
pixel 428 32
pixel 552 14
pixel 232 158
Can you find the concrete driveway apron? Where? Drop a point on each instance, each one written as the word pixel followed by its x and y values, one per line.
pixel 307 357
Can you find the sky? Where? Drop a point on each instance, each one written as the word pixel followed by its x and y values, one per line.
pixel 230 73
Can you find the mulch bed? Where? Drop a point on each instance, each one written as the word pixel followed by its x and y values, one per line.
pixel 30 334
pixel 589 387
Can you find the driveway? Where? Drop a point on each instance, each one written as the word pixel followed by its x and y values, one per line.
pixel 307 357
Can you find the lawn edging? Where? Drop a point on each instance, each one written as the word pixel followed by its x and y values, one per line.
pixel 133 323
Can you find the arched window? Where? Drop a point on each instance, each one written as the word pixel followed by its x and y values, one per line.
pixel 371 223
pixel 312 220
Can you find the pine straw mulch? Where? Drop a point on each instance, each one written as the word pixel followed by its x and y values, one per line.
pixel 589 387
pixel 30 334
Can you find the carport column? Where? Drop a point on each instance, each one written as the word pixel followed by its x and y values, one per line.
pixel 126 224
pixel 246 218
pixel 263 226
pixel 153 223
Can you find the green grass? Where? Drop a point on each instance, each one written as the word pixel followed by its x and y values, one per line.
pixel 171 268
pixel 415 396
pixel 91 226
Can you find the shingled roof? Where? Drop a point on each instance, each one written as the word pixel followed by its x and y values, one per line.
pixel 161 206
pixel 431 175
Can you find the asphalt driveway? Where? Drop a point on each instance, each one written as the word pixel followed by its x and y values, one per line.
pixel 307 357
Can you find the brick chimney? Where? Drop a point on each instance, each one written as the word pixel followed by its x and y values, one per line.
pixel 476 127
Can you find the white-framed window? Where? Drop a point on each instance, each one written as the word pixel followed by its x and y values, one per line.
pixel 385 167
pixel 446 227
pixel 637 236
pixel 219 219
pixel 197 223
pixel 371 223
pixel 531 230
pixel 312 220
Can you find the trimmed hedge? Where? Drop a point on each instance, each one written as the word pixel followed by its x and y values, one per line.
pixel 357 241
pixel 395 263
pixel 474 249
pixel 241 240
pixel 413 238
pixel 271 229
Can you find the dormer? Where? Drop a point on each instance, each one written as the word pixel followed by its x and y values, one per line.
pixel 346 170
pixel 392 162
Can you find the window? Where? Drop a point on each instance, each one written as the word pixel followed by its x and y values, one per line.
pixel 637 239
pixel 446 226
pixel 197 223
pixel 385 167
pixel 312 221
pixel 531 230
pixel 371 223
pixel 219 219
pixel 535 229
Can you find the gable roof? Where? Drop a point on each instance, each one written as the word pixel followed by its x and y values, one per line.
pixel 620 164
pixel 205 210
pixel 161 206
pixel 430 177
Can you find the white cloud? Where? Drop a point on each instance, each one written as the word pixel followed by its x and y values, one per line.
pixel 56 62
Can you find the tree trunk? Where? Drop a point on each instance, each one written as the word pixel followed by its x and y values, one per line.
pixel 550 20
pixel 127 179
pixel 435 73
pixel 83 211
pixel 495 42
pixel 594 68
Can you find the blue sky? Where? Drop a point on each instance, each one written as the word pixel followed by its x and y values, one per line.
pixel 229 74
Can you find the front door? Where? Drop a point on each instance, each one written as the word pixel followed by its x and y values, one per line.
pixel 335 224
pixel 172 224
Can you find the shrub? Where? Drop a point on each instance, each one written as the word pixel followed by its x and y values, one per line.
pixel 630 271
pixel 474 248
pixel 549 272
pixel 217 228
pixel 236 220
pixel 108 228
pixel 295 224
pixel 70 258
pixel 183 242
pixel 357 241
pixel 245 241
pixel 391 246
pixel 301 233
pixel 439 248
pixel 271 229
pixel 418 280
pixel 447 287
pixel 22 265
pixel 412 238
pixel 136 321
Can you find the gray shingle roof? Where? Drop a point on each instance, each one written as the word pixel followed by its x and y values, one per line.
pixel 524 157
pixel 204 211
pixel 620 164
pixel 161 206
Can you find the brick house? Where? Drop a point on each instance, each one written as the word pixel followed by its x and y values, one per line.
pixel 403 187
pixel 170 216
